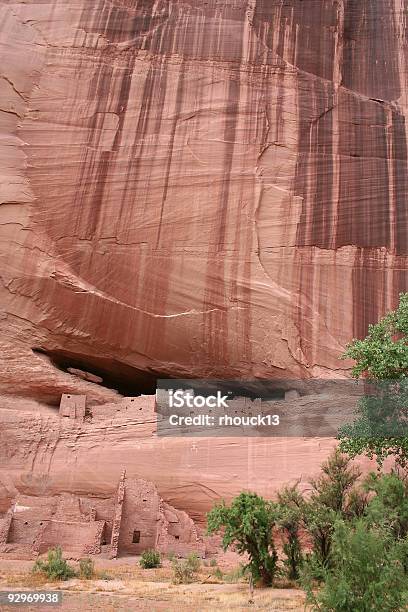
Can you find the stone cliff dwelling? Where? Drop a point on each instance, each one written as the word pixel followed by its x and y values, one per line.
pixel 131 521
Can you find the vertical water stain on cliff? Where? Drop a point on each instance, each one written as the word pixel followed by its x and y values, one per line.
pixel 218 184
pixel 352 166
pixel 370 64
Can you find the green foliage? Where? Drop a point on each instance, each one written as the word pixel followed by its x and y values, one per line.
pixel 184 569
pixel 247 525
pixel 213 563
pixel 150 559
pixel 388 509
pixel 381 356
pixel 338 477
pixel 334 496
pixel 86 568
pixel 366 574
pixel 56 567
pixel 194 561
pixel 290 514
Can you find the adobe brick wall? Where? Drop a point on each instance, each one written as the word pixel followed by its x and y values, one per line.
pixel 73 406
pixel 140 513
pixel 81 538
pixel 24 530
pixel 137 409
pixel 117 518
pixel 5 524
pixel 177 533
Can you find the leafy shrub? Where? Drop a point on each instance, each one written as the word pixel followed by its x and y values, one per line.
pixel 366 574
pixel 235 575
pixel 248 524
pixel 389 507
pixel 86 568
pixel 291 505
pixel 194 561
pixel 184 569
pixel 334 496
pixel 218 573
pixel 213 563
pixel 150 559
pixel 56 567
pixel 183 573
pixel 381 356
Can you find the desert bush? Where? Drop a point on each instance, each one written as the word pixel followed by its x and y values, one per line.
pixel 184 569
pixel 150 559
pixel 366 572
pixel 236 574
pixel 334 496
pixel 389 506
pixel 213 563
pixel 218 573
pixel 183 572
pixel 247 525
pixel 290 519
pixel 194 561
pixel 86 568
pixel 55 567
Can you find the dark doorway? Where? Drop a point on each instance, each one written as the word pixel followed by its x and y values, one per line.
pixel 136 537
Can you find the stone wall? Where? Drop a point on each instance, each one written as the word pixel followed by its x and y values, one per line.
pixel 117 518
pixel 141 508
pixel 24 531
pixel 73 406
pixel 135 520
pixel 138 409
pixel 73 537
pixel 5 524
pixel 177 533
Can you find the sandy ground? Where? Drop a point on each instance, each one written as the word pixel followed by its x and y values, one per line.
pixel 129 588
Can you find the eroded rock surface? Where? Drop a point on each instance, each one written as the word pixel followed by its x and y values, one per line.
pixel 191 188
pixel 198 188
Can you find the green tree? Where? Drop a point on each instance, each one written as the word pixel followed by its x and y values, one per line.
pixel 389 507
pixel 366 574
pixel 381 356
pixel 247 524
pixel 334 496
pixel 290 520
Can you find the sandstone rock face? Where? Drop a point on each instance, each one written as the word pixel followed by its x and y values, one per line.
pixel 198 188
pixel 192 188
pixel 46 453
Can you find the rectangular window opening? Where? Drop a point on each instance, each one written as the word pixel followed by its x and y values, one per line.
pixel 136 537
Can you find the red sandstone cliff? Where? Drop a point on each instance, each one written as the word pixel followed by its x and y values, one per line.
pixel 195 188
pixel 198 188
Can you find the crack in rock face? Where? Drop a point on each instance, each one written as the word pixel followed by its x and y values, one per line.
pixel 205 188
pixel 189 189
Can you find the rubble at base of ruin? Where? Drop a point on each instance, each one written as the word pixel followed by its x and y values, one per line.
pixel 133 520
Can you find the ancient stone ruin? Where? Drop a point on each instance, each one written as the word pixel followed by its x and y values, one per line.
pixel 132 520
